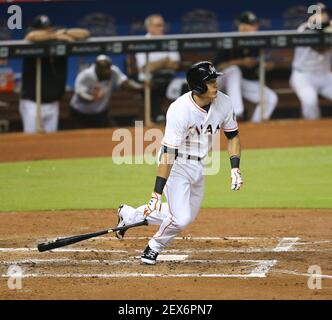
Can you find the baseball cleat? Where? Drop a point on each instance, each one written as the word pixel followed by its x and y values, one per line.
pixel 120 234
pixel 149 256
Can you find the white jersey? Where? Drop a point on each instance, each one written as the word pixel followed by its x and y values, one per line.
pixel 153 57
pixel 189 127
pixel 307 59
pixel 87 81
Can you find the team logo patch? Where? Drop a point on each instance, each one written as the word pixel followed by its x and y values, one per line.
pixel 212 69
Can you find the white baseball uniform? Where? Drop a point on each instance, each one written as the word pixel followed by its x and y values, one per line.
pixel 153 57
pixel 49 115
pixel 311 76
pixel 87 81
pixel 188 129
pixel 237 87
pixel 53 82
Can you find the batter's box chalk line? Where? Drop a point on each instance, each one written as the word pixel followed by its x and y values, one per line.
pixel 285 244
pixel 260 271
pixel 260 267
pixel 296 273
pixel 133 261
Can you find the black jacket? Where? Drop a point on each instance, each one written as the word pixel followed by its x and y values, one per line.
pixel 53 79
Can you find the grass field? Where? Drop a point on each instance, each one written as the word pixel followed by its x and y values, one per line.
pixel 274 178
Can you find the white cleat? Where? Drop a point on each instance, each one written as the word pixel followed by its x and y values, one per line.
pixel 120 234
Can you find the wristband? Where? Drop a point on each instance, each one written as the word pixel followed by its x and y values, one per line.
pixel 235 162
pixel 160 184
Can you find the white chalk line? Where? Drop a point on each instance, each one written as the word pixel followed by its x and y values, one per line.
pixel 186 238
pixel 190 238
pixel 62 262
pixel 63 250
pixel 299 243
pixel 186 251
pixel 134 260
pixel 291 272
pixel 134 275
pixel 172 251
pixel 261 270
pixel 181 259
pixel 284 245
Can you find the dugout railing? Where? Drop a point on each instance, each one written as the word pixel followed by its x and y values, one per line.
pixel 182 42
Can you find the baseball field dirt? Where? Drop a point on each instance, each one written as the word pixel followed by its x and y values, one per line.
pixel 224 254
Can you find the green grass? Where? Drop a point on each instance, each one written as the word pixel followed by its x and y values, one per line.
pixel 274 178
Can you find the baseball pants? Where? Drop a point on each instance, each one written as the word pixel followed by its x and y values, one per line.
pixel 184 193
pixel 307 86
pixel 49 116
pixel 238 88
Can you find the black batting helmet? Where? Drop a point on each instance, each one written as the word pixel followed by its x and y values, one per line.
pixel 199 73
pixel 248 17
pixel 41 22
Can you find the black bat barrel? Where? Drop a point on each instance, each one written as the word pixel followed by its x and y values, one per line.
pixel 61 242
pixel 69 240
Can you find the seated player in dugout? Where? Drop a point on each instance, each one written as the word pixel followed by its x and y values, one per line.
pixel 311 68
pixel 191 121
pixel 53 76
pixel 89 106
pixel 162 66
pixel 241 69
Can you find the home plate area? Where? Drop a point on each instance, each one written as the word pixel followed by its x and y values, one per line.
pixel 104 257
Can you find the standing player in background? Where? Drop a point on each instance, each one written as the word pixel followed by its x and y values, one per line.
pixel 162 66
pixel 241 69
pixel 89 106
pixel 191 121
pixel 53 77
pixel 311 73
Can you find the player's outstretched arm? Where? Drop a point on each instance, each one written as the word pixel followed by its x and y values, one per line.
pixel 234 151
pixel 131 85
pixel 41 35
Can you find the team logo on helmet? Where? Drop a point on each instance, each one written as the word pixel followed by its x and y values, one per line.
pixel 212 69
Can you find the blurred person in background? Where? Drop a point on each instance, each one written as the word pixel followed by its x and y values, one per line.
pixel 241 69
pixel 311 69
pixel 89 106
pixel 161 65
pixel 53 76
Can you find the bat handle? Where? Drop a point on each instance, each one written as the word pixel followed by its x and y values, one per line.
pixel 141 223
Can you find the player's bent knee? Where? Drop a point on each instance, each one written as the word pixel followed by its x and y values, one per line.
pixel 183 223
pixel 308 98
pixel 310 104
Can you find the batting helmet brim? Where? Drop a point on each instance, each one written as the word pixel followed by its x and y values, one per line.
pixel 213 76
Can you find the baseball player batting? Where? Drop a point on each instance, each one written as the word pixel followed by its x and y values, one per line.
pixel 190 120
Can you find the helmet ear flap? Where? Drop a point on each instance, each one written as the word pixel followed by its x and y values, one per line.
pixel 199 89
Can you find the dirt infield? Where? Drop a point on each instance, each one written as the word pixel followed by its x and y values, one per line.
pixel 224 254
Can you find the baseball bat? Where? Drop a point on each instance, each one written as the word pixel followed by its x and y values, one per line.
pixel 61 242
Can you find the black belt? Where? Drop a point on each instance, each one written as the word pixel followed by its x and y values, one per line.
pixel 189 157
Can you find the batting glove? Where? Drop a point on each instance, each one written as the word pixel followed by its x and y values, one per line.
pixel 153 205
pixel 236 179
